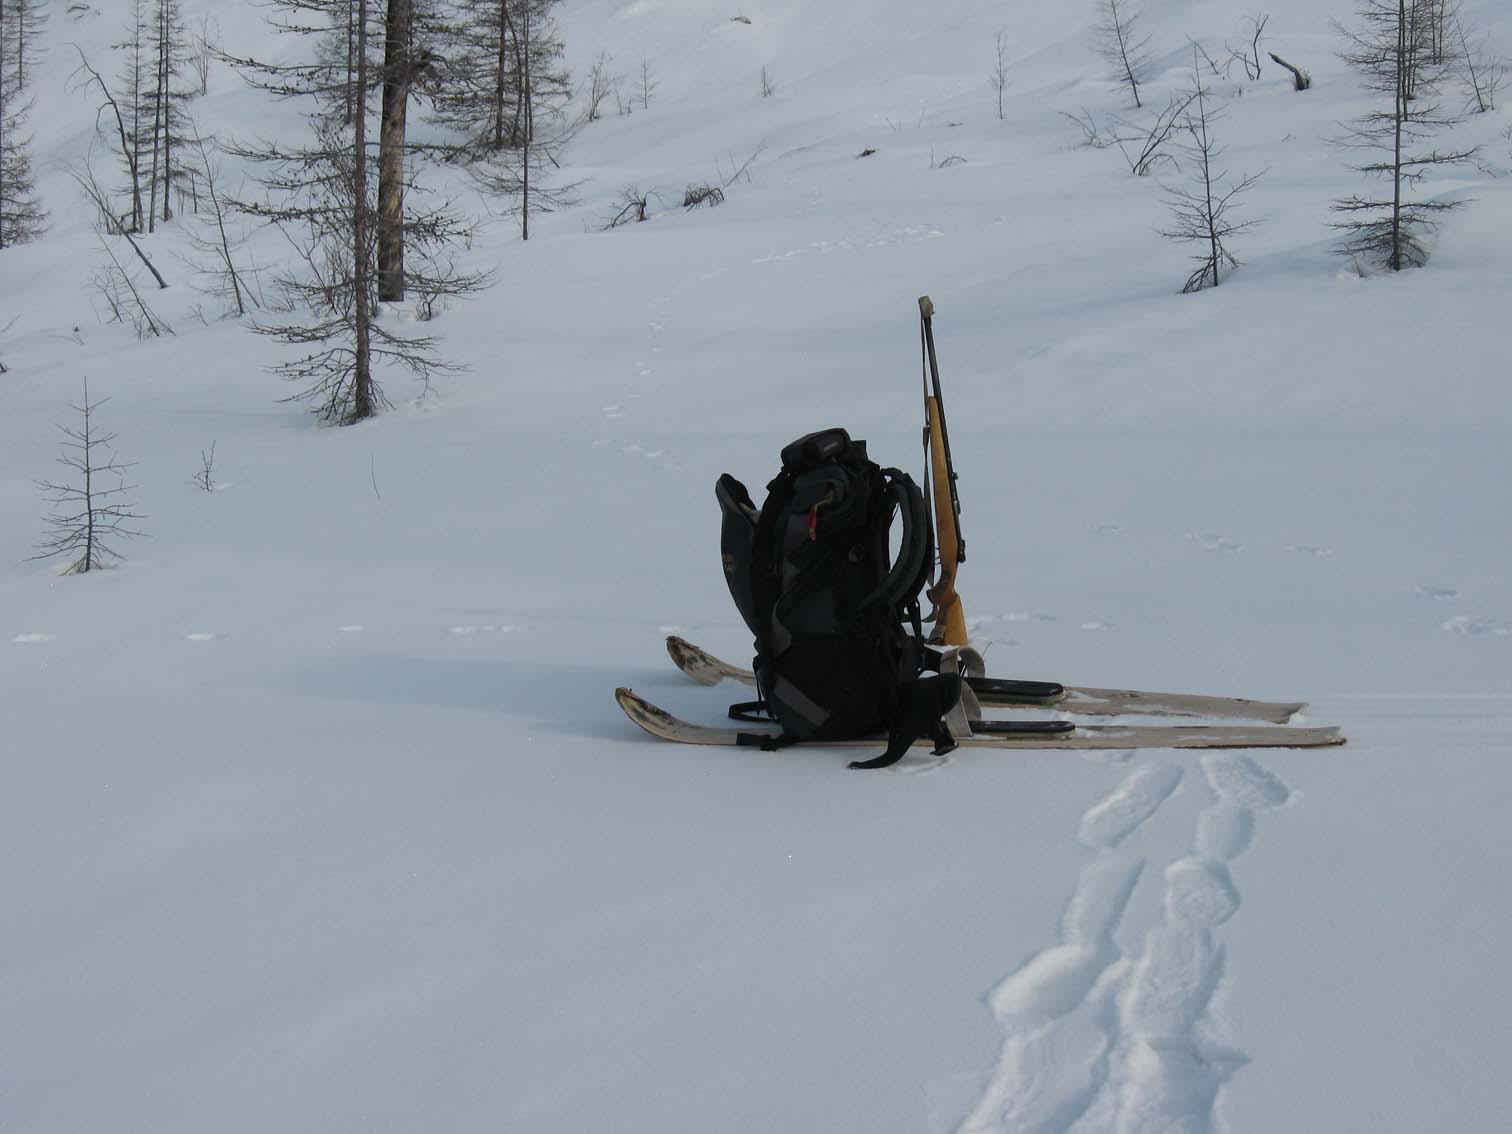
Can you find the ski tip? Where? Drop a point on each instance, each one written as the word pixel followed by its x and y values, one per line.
pixel 692 661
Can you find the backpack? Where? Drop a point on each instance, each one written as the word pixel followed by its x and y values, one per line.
pixel 840 648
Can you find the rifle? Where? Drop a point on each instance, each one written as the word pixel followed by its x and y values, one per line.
pixel 948 617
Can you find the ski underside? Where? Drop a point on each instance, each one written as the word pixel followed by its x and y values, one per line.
pixel 706 669
pixel 663 725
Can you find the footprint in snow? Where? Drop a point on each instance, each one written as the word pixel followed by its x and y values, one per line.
pixel 202 636
pixel 1129 806
pixel 1056 1011
pixel 1309 549
pixel 1097 625
pixel 1477 627
pixel 31 639
pixel 1214 541
pixel 353 629
pixel 1439 594
pixel 1241 781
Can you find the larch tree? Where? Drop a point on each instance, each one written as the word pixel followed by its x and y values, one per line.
pixel 504 92
pixel 321 196
pixel 1391 50
pixel 164 97
pixel 1201 210
pixel 22 217
pixel 1121 43
pixel 23 21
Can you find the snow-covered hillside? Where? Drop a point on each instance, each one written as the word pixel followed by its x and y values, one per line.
pixel 317 814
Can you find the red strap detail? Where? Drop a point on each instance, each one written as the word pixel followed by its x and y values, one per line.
pixel 813 523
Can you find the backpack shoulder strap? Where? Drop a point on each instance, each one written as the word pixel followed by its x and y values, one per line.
pixel 906 577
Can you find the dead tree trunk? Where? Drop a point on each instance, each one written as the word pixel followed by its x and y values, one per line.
pixel 398 75
pixel 1301 80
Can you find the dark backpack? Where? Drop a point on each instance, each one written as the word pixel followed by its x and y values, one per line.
pixel 839 642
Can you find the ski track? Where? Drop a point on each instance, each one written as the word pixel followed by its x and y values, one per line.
pixel 1100 1038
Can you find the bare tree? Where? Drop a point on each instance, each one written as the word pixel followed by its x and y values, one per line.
pixel 1200 211
pixel 202 51
pixel 633 207
pixel 1144 145
pixel 1121 44
pixel 225 279
pixel 402 65
pixel 1434 21
pixel 22 217
pixel 1481 71
pixel 648 83
pixel 204 478
pixel 319 196
pixel 505 90
pixel 998 78
pixel 5 330
pixel 768 88
pixel 1095 136
pixel 90 509
pixel 21 23
pixel 1388 51
pixel 1248 56
pixel 601 84
pixel 163 99
pixel 112 223
pixel 1257 30
pixel 118 288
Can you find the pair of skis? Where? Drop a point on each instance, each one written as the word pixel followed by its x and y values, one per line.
pixel 707 669
pixel 967 726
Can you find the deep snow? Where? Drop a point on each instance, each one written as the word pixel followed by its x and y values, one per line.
pixel 317 813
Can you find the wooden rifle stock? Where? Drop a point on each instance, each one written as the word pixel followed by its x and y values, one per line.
pixel 948 616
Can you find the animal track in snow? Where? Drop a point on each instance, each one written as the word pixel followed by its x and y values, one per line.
pixel 1108 529
pixel 1441 594
pixel 1213 541
pixel 353 629
pixel 31 639
pixel 1097 626
pixel 202 636
pixel 1476 627
pixel 1122 812
pixel 1308 549
pixel 491 628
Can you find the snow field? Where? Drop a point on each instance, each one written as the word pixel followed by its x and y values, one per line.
pixel 317 813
